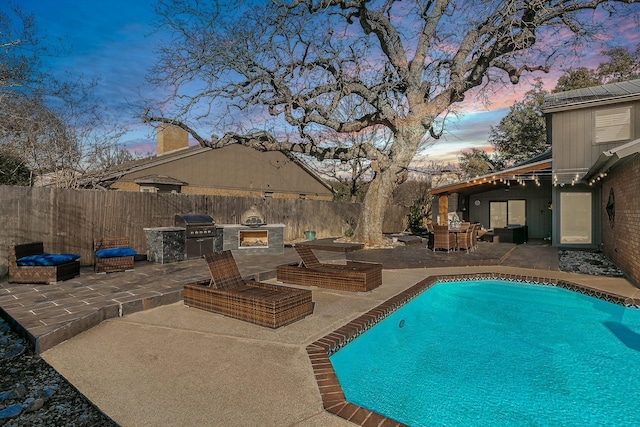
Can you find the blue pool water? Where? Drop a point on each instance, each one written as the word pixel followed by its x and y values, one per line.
pixel 497 353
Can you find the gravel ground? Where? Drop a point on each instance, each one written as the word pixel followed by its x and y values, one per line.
pixel 32 393
pixel 591 263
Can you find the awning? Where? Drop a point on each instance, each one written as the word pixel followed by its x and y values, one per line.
pixel 609 158
pixel 526 172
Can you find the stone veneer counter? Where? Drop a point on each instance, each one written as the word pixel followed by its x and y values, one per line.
pixel 166 244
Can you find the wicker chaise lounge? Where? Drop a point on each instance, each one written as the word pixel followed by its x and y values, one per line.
pixel 354 276
pixel 49 269
pixel 229 294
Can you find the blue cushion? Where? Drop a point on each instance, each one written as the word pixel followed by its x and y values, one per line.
pixel 115 252
pixel 46 259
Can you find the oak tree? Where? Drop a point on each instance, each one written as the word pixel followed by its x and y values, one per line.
pixel 477 162
pixel 521 134
pixel 407 63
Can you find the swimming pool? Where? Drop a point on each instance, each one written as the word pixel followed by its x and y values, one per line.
pixel 498 353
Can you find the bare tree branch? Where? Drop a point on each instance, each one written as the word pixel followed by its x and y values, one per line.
pixel 406 63
pixel 56 128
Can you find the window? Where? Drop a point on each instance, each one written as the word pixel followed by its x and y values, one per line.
pixel 160 188
pixel 612 124
pixel 516 212
pixel 511 212
pixel 575 218
pixel 498 214
pixel 148 189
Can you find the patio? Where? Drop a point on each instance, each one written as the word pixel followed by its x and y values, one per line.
pixel 173 365
pixel 50 314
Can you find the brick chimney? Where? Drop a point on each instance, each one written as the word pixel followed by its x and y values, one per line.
pixel 170 138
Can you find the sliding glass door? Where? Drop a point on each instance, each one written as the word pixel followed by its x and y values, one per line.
pixel 510 212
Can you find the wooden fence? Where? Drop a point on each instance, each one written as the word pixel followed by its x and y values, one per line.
pixel 69 220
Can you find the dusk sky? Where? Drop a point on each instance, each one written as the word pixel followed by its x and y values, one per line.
pixel 114 41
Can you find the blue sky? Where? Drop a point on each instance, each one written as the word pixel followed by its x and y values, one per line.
pixel 114 41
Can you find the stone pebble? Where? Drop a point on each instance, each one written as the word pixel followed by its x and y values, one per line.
pixel 32 393
pixel 585 262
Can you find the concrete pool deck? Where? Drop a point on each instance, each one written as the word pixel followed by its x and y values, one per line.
pixel 173 365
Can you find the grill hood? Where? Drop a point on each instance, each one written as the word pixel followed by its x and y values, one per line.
pixel 183 220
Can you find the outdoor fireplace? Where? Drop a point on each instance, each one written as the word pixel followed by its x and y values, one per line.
pixel 252 236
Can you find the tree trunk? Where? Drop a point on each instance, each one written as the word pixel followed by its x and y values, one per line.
pixel 369 229
pixel 390 172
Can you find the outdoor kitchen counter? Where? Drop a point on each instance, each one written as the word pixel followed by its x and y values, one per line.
pixel 166 244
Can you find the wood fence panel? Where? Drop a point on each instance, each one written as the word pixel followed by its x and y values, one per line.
pixel 69 220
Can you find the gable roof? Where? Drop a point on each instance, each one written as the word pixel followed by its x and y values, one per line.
pixel 113 174
pixel 158 179
pixel 596 95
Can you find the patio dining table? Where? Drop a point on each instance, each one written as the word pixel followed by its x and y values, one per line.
pixel 457 229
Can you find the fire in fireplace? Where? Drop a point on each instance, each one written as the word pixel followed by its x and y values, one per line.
pixel 253 238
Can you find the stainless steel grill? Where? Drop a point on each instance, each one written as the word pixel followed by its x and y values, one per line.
pixel 200 233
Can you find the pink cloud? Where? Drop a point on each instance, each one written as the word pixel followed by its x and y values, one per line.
pixel 472 129
pixel 141 147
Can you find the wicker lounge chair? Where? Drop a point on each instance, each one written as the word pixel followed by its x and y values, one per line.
pixel 113 254
pixel 229 294
pixel 354 276
pixel 64 270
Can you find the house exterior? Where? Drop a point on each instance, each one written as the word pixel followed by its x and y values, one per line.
pixel 518 196
pixel 586 193
pixel 595 134
pixel 234 170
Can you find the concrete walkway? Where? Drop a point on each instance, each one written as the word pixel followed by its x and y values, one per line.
pixel 50 314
